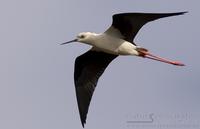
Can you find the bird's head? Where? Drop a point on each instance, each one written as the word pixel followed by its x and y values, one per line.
pixel 83 37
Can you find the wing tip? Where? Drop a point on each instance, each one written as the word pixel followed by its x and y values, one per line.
pixel 175 13
pixel 185 12
pixel 181 13
pixel 83 120
pixel 83 123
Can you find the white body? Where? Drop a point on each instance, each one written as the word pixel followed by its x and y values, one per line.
pixel 109 44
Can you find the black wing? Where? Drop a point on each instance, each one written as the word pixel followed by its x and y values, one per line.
pixel 129 24
pixel 88 68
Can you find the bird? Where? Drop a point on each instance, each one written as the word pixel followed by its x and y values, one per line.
pixel 117 40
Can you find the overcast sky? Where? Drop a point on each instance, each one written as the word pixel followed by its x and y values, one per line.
pixel 37 89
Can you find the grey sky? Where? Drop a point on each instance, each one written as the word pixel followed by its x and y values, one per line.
pixel 37 89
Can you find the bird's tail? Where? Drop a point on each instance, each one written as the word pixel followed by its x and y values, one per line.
pixel 141 51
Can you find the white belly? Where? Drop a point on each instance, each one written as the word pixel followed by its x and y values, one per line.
pixel 113 45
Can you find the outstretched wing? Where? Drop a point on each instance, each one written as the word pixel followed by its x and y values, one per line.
pixel 128 24
pixel 88 68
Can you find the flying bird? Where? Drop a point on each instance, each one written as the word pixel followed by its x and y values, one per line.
pixel 117 40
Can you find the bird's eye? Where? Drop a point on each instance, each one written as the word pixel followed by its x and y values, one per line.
pixel 82 36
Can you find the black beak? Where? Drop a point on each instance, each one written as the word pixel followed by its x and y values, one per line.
pixel 75 40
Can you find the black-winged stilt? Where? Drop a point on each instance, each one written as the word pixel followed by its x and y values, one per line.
pixel 117 40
